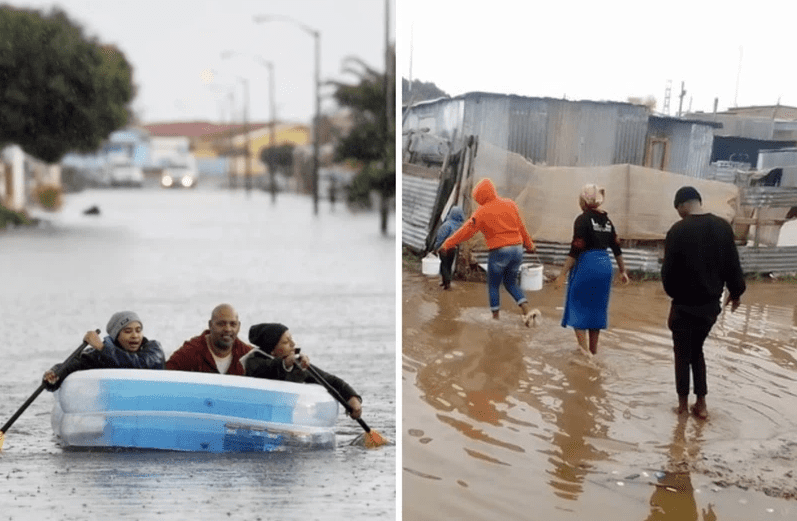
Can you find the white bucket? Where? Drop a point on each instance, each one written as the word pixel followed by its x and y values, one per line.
pixel 531 277
pixel 430 265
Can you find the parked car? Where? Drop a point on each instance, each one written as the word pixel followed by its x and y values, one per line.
pixel 178 176
pixel 123 173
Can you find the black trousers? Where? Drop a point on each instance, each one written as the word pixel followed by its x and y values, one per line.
pixel 690 326
pixel 447 266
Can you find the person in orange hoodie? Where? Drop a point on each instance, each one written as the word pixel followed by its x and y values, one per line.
pixel 499 221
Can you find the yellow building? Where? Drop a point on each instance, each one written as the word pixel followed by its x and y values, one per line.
pixel 232 148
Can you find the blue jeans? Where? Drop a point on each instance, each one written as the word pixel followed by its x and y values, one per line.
pixel 503 265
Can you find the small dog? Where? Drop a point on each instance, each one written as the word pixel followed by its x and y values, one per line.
pixel 530 319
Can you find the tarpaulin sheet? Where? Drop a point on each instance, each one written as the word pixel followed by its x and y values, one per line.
pixel 639 200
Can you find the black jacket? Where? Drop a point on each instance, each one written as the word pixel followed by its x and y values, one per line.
pixel 149 356
pixel 260 364
pixel 700 258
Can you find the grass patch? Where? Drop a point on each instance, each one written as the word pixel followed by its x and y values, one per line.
pixel 409 260
pixel 12 218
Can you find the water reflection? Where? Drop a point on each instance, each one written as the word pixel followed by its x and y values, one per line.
pixel 582 401
pixel 476 369
pixel 762 330
pixel 674 496
pixel 549 431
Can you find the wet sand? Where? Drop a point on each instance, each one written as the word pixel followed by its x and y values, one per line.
pixel 505 422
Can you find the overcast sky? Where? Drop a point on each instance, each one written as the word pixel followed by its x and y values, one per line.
pixel 741 53
pixel 175 47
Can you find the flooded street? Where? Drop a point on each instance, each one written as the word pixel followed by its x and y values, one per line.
pixel 172 256
pixel 501 421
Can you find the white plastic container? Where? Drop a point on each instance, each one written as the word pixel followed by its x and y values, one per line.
pixel 430 265
pixel 531 277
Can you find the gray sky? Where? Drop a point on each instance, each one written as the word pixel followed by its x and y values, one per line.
pixel 741 53
pixel 175 47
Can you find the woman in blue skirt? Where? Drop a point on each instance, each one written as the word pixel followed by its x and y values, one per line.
pixel 588 269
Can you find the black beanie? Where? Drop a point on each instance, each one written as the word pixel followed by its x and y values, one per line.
pixel 686 193
pixel 266 336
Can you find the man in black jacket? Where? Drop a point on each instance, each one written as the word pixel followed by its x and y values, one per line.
pixel 700 259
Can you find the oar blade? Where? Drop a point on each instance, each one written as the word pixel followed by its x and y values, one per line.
pixel 370 440
pixel 2 439
pixel 374 440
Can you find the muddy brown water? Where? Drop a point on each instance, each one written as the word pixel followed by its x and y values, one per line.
pixel 500 421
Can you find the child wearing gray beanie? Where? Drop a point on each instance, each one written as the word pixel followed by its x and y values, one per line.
pixel 130 350
pixel 119 320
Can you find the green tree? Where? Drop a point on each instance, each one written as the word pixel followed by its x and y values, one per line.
pixel 59 90
pixel 281 157
pixel 372 139
pixel 419 91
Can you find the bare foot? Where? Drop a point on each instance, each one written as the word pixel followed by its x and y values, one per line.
pixel 683 405
pixel 700 411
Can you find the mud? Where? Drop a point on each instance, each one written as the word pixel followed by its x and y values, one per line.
pixel 501 421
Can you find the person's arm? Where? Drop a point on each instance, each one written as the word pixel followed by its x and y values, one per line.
pixel 345 390
pixel 618 256
pixel 54 377
pixel 442 234
pixel 734 276
pixel 560 280
pixel 528 243
pixel 666 265
pixel 263 365
pixel 465 232
pixel 576 247
pixel 621 266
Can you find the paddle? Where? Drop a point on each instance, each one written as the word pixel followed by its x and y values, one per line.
pixel 372 438
pixel 35 394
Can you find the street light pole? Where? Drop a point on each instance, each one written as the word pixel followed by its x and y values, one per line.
pixel 317 119
pixel 248 175
pixel 272 138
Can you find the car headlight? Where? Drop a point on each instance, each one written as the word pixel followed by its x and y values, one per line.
pixel 166 181
pixel 187 181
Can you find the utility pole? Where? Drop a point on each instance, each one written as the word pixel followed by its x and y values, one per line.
pixel 272 138
pixel 681 99
pixel 390 101
pixel 230 155
pixel 248 178
pixel 738 76
pixel 667 91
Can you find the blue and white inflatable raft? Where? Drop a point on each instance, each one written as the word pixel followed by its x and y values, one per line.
pixel 182 411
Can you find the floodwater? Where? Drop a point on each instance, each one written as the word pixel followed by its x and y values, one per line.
pixel 505 422
pixel 172 256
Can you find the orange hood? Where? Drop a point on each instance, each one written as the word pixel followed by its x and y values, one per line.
pixel 484 192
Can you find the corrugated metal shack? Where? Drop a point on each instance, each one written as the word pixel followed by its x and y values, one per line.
pixel 680 146
pixel 544 131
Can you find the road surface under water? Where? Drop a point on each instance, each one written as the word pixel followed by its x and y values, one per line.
pixel 500 421
pixel 172 256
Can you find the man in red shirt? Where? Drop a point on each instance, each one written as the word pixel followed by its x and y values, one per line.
pixel 217 350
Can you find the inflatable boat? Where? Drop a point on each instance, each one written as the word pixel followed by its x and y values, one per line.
pixel 182 411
